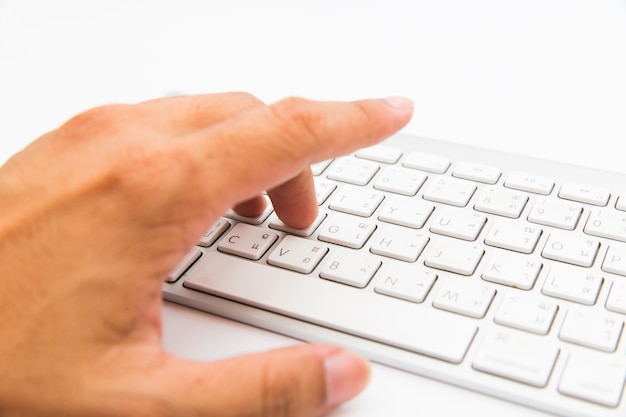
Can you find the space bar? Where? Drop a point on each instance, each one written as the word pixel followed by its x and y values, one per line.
pixel 401 324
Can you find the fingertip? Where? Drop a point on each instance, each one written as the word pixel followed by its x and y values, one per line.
pixel 347 375
pixel 399 103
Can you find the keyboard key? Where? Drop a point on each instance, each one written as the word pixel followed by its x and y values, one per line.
pixel 323 189
pixel 512 269
pixel 477 172
pixel 425 162
pixel 461 224
pixel 576 250
pixel 467 298
pixel 593 377
pixel 617 297
pixel 527 312
pixel 585 194
pixel 592 329
pixel 425 331
pixel 607 223
pixel 319 167
pixel 555 213
pixel 214 232
pixel 256 220
pixel 359 201
pixel 404 211
pixel 528 182
pixel 621 203
pixel 349 268
pixel 573 284
pixel 398 243
pixel 615 259
pixel 297 254
pixel 518 356
pixel 346 230
pixel 248 241
pixel 352 170
pixel 400 180
pixel 452 191
pixel 500 201
pixel 454 256
pixel 276 223
pixel 405 282
pixel 513 235
pixel 190 258
pixel 380 153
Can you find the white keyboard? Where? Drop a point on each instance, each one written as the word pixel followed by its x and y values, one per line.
pixel 495 272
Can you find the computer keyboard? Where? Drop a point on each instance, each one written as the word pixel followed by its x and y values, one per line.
pixel 495 272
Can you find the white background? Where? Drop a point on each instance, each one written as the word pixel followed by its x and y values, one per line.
pixel 545 78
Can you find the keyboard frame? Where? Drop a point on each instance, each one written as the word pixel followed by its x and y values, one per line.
pixel 463 375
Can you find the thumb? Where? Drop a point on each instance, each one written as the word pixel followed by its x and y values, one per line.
pixel 301 381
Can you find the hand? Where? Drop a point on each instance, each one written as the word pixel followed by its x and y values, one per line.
pixel 96 213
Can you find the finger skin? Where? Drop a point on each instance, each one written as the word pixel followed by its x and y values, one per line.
pixel 96 213
pixel 281 141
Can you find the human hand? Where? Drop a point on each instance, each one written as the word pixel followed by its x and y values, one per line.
pixel 96 213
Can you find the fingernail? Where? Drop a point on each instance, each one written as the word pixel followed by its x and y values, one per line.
pixel 346 375
pixel 399 102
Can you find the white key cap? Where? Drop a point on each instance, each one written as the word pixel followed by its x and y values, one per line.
pixel 592 329
pixel 576 250
pixel 500 201
pixel 621 203
pixel 400 180
pixel 615 259
pixel 350 268
pixel 467 298
pixel 477 172
pixel 594 377
pixel 346 230
pixel 214 232
pixel 380 153
pixel 555 213
pixel 585 194
pixel 319 167
pixel 425 162
pixel 192 256
pixel 574 284
pixel 607 223
pixel 359 201
pixel 461 224
pixel 512 269
pixel 404 211
pixel 323 189
pixel 426 331
pixel 448 190
pixel 276 223
pixel 398 243
pixel 454 256
pixel 231 214
pixel 352 170
pixel 529 182
pixel 248 241
pixel 297 254
pixel 525 312
pixel 519 356
pixel 617 297
pixel 514 235
pixel 405 282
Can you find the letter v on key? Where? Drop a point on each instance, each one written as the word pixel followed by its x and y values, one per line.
pixel 297 254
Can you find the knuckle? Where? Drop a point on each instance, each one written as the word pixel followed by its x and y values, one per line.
pixel 299 118
pixel 97 120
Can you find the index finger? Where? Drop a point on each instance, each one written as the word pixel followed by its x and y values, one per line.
pixel 267 146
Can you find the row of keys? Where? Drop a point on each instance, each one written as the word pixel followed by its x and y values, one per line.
pixel 351 170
